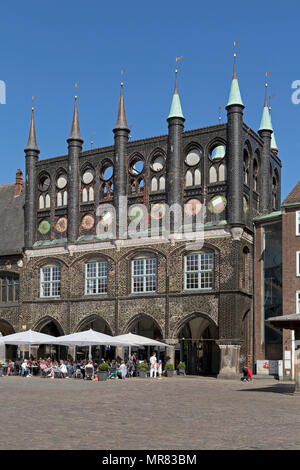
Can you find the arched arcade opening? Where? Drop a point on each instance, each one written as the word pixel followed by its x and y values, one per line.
pixel 96 323
pixel 197 345
pixel 7 351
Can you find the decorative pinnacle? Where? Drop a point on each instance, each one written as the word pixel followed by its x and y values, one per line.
pixel 121 119
pixel 75 129
pixel 31 143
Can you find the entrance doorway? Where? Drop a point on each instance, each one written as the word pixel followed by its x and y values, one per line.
pixel 197 346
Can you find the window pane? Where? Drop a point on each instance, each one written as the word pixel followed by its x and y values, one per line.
pixel 199 271
pixel 144 275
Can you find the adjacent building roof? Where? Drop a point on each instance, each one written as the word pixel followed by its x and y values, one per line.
pixel 11 220
pixel 294 196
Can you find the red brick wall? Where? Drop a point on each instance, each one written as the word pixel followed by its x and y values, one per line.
pixel 291 283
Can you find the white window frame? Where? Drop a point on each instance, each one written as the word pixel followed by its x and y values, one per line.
pixel 298 263
pixel 297 224
pixel 298 301
pixel 51 282
pixel 98 276
pixel 144 276
pixel 212 270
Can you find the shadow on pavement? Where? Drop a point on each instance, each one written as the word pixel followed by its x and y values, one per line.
pixel 285 389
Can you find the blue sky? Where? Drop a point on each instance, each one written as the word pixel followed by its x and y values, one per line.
pixel 46 47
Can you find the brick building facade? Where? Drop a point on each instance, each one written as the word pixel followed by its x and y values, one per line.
pixel 74 271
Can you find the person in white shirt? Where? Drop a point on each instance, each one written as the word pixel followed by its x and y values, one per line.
pixel 63 368
pixel 153 361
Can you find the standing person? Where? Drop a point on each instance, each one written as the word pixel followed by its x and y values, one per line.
pixel 153 361
pixel 159 368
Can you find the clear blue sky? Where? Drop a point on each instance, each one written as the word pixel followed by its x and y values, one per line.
pixel 46 47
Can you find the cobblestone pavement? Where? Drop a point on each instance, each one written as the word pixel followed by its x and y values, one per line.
pixel 171 413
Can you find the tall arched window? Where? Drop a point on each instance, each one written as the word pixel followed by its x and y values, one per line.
pixel 246 167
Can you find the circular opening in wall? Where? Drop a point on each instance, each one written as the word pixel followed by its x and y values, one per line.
pixel 61 181
pixel 107 171
pixel 217 204
pixel 193 157
pixel 44 182
pixel 158 163
pixel 44 227
pixel 218 152
pixel 136 166
pixel 192 207
pixel 88 176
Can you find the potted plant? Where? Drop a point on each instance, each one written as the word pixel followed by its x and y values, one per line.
pixel 143 368
pixel 181 368
pixel 1 369
pixel 170 370
pixel 103 371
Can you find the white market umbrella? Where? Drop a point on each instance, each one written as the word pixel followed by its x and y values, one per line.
pixel 28 337
pixel 137 340
pixel 88 338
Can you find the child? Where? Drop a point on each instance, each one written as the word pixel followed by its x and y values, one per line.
pixel 159 368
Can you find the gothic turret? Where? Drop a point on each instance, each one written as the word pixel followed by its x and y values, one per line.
pixel 74 149
pixel 32 153
pixel 265 131
pixel 234 153
pixel 121 132
pixel 174 160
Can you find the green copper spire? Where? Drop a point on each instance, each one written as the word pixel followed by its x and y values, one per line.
pixel 235 94
pixel 273 141
pixel 175 110
pixel 265 123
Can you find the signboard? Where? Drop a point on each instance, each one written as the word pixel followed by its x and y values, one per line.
pixel 266 367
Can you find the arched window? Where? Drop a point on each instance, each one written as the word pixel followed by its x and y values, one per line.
pixel 162 183
pixel 47 201
pixel 246 167
pixel 197 177
pixel 9 291
pixel 41 202
pixel 274 192
pixel 189 178
pixel 50 278
pixel 59 201
pixel 154 186
pixel 65 198
pixel 222 172
pixel 213 177
pixel 245 268
pixel 255 174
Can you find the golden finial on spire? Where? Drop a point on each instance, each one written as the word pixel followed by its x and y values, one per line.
pixel 122 74
pixel 32 99
pixel 76 86
pixel 270 98
pixel 220 108
pixel 234 57
pixel 266 87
